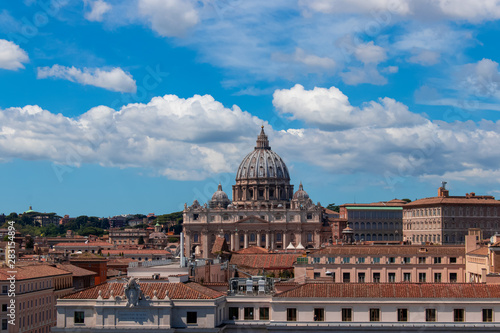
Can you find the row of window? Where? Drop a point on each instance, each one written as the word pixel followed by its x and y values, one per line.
pixel 452 211
pixel 375 225
pixel 391 277
pixel 376 260
pixel 366 214
pixel 29 287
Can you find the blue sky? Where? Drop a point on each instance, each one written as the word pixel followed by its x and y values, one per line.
pixel 112 107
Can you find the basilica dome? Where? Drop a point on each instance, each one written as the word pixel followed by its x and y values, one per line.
pixel 219 198
pixel 262 163
pixel 301 194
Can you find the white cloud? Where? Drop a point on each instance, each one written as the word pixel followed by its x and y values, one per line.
pixel 401 7
pixel 12 56
pixel 330 109
pixel 425 58
pixel 367 74
pixel 97 10
pixel 370 53
pixel 115 79
pixel 481 78
pixel 313 60
pixel 169 17
pixel 471 10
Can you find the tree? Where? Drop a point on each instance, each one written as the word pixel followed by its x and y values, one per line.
pixel 406 199
pixel 333 207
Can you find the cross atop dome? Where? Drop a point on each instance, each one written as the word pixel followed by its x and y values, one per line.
pixel 262 141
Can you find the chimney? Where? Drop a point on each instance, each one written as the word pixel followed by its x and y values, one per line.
pixel 442 192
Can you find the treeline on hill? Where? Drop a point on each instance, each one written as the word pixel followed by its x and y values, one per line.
pixel 82 225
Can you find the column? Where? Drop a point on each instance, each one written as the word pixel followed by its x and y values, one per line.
pixel 236 241
pixel 272 246
pixel 187 244
pixel 284 238
pixel 268 238
pixel 204 245
pixel 298 238
pixel 258 239
pixel 245 238
pixel 232 242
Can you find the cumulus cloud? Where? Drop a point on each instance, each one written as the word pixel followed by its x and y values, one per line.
pixel 97 10
pixel 331 109
pixel 12 56
pixel 197 137
pixel 169 17
pixel 115 79
pixel 370 53
pixel 367 74
pixel 481 78
pixel 425 57
pixel 401 7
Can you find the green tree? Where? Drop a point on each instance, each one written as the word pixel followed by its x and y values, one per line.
pixel 406 199
pixel 333 207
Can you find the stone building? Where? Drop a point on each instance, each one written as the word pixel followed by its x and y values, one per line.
pixel 446 219
pixel 264 210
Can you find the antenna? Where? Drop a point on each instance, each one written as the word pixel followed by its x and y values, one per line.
pixel 443 183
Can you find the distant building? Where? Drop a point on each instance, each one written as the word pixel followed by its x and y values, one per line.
pixel 446 219
pixel 128 236
pixel 375 222
pixel 92 262
pixel 383 264
pixel 482 258
pixel 117 221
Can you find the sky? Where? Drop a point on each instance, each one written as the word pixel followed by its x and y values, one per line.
pixel 114 107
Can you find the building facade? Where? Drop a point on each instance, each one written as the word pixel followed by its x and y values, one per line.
pixel 446 219
pixel 264 211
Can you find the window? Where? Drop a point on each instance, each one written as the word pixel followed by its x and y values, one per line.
pixel 374 314
pixel 430 314
pixel 248 314
pixel 421 260
pixel 291 314
pixel 346 314
pixel 453 260
pixel 376 260
pixel 346 260
pixel 488 315
pixel 437 277
pixel 437 260
pixel 346 277
pixel 4 289
pixel 317 275
pixel 264 313
pixel 316 260
pixel 407 277
pixel 406 260
pixel 4 324
pixel 319 314
pixel 361 260
pixel 361 277
pixel 376 277
pixel 453 277
pixel 4 307
pixel 278 237
pixel 402 314
pixel 195 217
pixel 79 317
pixel 391 260
pixel 331 260
pixel 392 277
pixel 421 277
pixel 458 314
pixel 192 317
pixel 233 313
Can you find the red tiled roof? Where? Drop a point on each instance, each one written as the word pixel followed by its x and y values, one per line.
pixel 86 256
pixel 150 251
pixel 83 244
pixel 253 250
pixel 392 203
pixel 190 290
pixel 32 272
pixel 394 290
pixel 410 250
pixel 475 200
pixel 77 271
pixel 219 245
pixel 267 261
pixel 482 251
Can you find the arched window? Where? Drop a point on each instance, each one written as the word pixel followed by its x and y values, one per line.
pixel 362 226
pixel 252 237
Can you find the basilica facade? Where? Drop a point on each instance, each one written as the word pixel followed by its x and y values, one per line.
pixel 264 210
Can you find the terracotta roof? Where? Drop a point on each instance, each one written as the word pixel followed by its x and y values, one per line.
pixel 253 250
pixel 482 251
pixel 267 261
pixel 77 271
pixel 150 251
pixel 190 290
pixel 32 272
pixel 219 245
pixel 471 200
pixel 83 244
pixel 395 250
pixel 392 203
pixel 86 256
pixel 394 290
